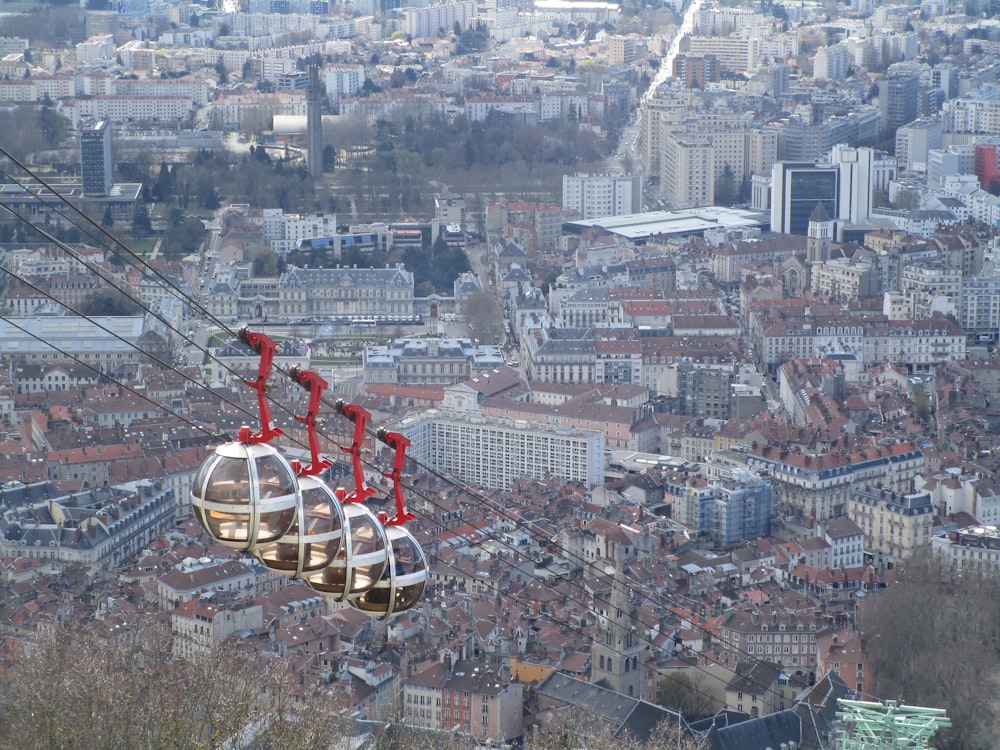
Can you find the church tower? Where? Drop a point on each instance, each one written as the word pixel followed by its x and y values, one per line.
pixel 617 655
pixel 819 234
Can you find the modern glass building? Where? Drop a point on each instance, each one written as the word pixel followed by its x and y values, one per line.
pixel 95 159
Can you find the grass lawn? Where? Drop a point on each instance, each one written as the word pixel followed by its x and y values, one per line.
pixel 142 246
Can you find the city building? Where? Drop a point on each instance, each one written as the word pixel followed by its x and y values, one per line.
pixel 915 140
pixel 896 523
pixel 823 486
pixel 429 361
pixel 687 174
pixel 898 99
pixel 832 62
pixel 846 540
pixel 106 526
pixel 973 548
pixel 595 196
pixel 494 452
pixel 725 510
pixel 95 159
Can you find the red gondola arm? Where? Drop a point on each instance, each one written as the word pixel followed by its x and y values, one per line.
pixel 399 443
pixel 263 346
pixel 360 419
pixel 315 385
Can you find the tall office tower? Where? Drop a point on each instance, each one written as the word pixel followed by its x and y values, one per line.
pixel 314 124
pixel 856 182
pixel 95 158
pixel 796 188
pixel 899 99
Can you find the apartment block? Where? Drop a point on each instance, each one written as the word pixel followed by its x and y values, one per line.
pixel 822 486
pixel 496 452
pixel 596 196
pixel 109 525
pixel 687 173
pixel 896 523
pixel 974 548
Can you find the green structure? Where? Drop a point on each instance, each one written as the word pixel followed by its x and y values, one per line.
pixel 887 726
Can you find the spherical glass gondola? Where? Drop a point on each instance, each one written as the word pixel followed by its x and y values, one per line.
pixel 403 580
pixel 361 559
pixel 245 494
pixel 315 537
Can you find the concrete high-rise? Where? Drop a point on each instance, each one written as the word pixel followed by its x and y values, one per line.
pixel 595 196
pixel 95 159
pixel 899 99
pixel 314 124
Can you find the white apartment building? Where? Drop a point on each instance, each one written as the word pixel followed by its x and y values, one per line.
pixel 125 108
pixel 847 543
pixel 191 88
pixel 950 162
pixel 932 285
pixel 974 548
pixel 979 312
pixel 687 172
pixel 845 279
pixel 343 80
pixel 426 22
pixel 831 63
pixel 914 140
pixel 285 230
pixel 495 452
pixel 596 196
pixel 97 49
pixel 969 115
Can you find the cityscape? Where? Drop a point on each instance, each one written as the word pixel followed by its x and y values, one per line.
pixel 670 330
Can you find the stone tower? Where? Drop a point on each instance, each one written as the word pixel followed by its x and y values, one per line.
pixel 819 234
pixel 617 654
pixel 314 124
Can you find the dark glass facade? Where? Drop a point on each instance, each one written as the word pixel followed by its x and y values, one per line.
pixel 806 188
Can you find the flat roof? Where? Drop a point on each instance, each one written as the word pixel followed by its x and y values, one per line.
pixel 681 221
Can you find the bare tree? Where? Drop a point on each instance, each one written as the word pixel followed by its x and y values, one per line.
pixel 935 646
pixel 484 316
pixel 123 688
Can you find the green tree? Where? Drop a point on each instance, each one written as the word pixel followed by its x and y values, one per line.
pixel 141 225
pixel 111 302
pixel 184 236
pixel 266 263
pixel 107 220
pixel 726 187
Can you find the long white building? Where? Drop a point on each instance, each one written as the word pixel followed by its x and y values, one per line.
pixel 495 452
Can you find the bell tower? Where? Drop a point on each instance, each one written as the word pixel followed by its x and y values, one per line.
pixel 617 654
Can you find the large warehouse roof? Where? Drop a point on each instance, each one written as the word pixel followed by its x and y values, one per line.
pixel 682 221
